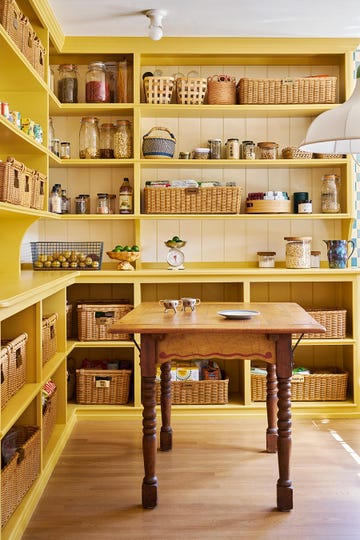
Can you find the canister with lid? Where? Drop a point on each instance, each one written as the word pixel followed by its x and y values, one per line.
pixel 82 204
pixel 315 259
pixel 123 140
pixel 330 194
pixel 215 148
pixel 268 150
pixel 68 83
pixel 89 138
pixel 112 71
pixel 298 251
pixel 266 259
pixel 107 132
pixel 103 205
pixel 232 149
pixel 247 150
pixel 96 87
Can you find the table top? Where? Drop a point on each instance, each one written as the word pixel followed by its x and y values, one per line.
pixel 273 317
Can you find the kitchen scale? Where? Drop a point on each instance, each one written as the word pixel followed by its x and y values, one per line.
pixel 175 256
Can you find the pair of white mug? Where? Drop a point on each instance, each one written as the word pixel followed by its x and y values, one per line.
pixel 183 303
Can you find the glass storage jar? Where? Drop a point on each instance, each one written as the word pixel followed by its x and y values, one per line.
pixel 103 206
pixel 268 150
pixel 298 251
pixel 247 150
pixel 330 194
pixel 215 148
pixel 107 132
pixel 68 83
pixel 96 88
pixel 89 138
pixel 315 259
pixel 112 71
pixel 82 204
pixel 232 149
pixel 266 259
pixel 123 140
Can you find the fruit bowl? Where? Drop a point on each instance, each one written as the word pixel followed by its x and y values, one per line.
pixel 129 256
pixel 173 244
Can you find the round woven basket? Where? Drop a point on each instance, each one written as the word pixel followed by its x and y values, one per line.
pixel 155 146
pixel 221 92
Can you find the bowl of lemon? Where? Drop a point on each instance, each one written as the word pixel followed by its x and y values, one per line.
pixel 125 255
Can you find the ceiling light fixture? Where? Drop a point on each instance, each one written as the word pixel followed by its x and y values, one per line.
pixel 155 27
pixel 337 131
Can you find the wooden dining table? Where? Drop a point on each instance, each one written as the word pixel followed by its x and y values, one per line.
pixel 265 333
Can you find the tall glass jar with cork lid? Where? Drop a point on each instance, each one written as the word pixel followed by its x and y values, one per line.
pixel 330 194
pixel 123 140
pixel 89 138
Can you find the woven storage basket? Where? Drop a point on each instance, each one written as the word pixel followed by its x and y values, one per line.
pixel 49 417
pixel 155 146
pixel 10 18
pixel 19 474
pixel 102 387
pixel 197 392
pixel 334 321
pixel 313 387
pixel 158 89
pixel 28 39
pixel 293 152
pixel 11 181
pixel 190 91
pixel 328 156
pixel 27 187
pixel 39 57
pixel 4 364
pixel 49 336
pixel 95 319
pixel 203 200
pixel 17 363
pixel 221 92
pixel 287 91
pixel 38 192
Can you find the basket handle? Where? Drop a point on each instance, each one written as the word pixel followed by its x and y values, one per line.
pixel 159 129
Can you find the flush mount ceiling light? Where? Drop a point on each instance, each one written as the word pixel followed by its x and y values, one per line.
pixel 155 27
pixel 337 131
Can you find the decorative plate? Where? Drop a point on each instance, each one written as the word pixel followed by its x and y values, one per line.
pixel 238 313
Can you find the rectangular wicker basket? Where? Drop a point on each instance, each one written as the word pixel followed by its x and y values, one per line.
pixel 21 471
pixel 49 336
pixel 102 387
pixel 205 392
pixel 95 319
pixel 16 368
pixel 334 321
pixel 313 387
pixel 287 90
pixel 49 417
pixel 4 366
pixel 10 18
pixel 203 200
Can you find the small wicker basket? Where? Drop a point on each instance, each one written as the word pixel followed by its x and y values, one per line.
pixel 49 336
pixel 11 181
pixel 334 321
pixel 16 352
pixel 100 387
pixel 221 92
pixel 10 19
pixel 293 152
pixel 205 392
pixel 190 91
pixel 158 90
pixel 156 146
pixel 95 319
pixel 49 417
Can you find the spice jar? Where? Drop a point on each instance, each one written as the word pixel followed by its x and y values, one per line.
pixel 298 251
pixel 330 194
pixel 215 148
pixel 268 150
pixel 68 83
pixel 232 149
pixel 65 150
pixel 123 140
pixel 82 205
pixel 107 132
pixel 96 88
pixel 89 138
pixel 266 259
pixel 112 70
pixel 102 205
pixel 315 259
pixel 247 150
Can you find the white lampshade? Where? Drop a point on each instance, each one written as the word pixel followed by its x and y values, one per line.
pixel 336 131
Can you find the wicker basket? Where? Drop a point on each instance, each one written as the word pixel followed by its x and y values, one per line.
pixel 293 152
pixel 27 187
pixel 102 387
pixel 10 18
pixel 4 364
pixel 49 337
pixel 49 417
pixel 28 40
pixel 155 147
pixel 20 472
pixel 334 321
pixel 11 181
pixel 190 91
pixel 17 363
pixel 39 57
pixel 221 92
pixel 312 387
pixel 158 89
pixel 38 192
pixel 328 156
pixel 203 200
pixel 208 392
pixel 95 319
pixel 287 91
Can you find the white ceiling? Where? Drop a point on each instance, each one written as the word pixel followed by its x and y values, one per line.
pixel 211 18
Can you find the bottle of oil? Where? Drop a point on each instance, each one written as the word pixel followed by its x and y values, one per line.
pixel 126 198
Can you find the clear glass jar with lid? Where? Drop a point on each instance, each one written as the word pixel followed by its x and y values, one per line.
pixel 123 140
pixel 112 72
pixel 96 87
pixel 103 204
pixel 89 138
pixel 68 83
pixel 232 149
pixel 266 259
pixel 298 251
pixel 330 194
pixel 268 150
pixel 107 132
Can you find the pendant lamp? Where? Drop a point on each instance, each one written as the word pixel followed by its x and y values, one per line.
pixel 337 131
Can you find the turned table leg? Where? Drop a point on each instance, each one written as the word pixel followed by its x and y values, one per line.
pixel 166 430
pixel 271 406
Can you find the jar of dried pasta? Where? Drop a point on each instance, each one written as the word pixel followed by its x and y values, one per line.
pixel 268 150
pixel 298 251
pixel 123 140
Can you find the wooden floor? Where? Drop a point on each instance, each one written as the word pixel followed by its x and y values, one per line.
pixel 214 484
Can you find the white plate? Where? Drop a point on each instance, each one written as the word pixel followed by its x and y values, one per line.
pixel 238 313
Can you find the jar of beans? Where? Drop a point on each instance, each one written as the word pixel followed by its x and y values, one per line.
pixel 107 132
pixel 68 83
pixel 268 150
pixel 298 251
pixel 96 86
pixel 123 140
pixel 89 138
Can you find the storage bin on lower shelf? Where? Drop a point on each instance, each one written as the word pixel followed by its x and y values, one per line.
pixel 95 319
pixel 49 337
pixel 324 385
pixel 21 469
pixel 102 387
pixel 208 392
pixel 49 416
pixel 334 321
pixel 13 366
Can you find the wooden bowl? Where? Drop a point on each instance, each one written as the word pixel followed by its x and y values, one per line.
pixel 129 256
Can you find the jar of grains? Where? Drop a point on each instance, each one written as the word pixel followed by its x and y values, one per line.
pixel 330 194
pixel 268 150
pixel 89 138
pixel 68 83
pixel 232 149
pixel 107 132
pixel 123 140
pixel 96 87
pixel 298 251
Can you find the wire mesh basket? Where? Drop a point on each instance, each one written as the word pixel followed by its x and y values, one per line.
pixel 67 255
